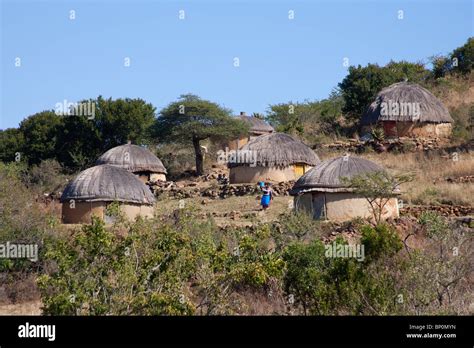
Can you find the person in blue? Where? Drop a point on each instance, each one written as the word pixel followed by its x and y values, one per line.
pixel 267 195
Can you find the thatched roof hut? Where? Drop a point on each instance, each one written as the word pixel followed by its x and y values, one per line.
pixel 431 108
pixel 407 106
pixel 136 159
pixel 107 183
pixel 327 175
pixel 257 125
pixel 272 157
pixel 279 150
pixel 91 191
pixel 322 193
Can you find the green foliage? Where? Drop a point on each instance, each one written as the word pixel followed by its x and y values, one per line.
pixel 40 133
pixel 378 134
pixel 309 119
pixel 459 61
pixel 380 241
pixel 190 120
pixel 295 226
pixel 149 271
pixel 436 226
pixel 465 57
pixel 377 188
pixel 11 143
pixel 77 141
pixel 99 273
pixel 325 285
pixel 83 138
pixel 463 117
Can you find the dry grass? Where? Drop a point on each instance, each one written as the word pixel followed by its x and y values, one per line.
pixel 430 185
pixel 247 206
pixel 24 308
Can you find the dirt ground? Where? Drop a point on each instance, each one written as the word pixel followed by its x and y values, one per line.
pixel 235 211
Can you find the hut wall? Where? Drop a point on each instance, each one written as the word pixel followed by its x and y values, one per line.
pixel 83 211
pixel 157 177
pixel 403 129
pixel 148 176
pixel 390 128
pixel 131 210
pixel 247 174
pixel 341 206
pixel 442 130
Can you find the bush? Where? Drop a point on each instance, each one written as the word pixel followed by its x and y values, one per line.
pixel 381 240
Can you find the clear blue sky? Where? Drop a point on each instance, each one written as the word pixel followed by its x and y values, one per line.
pixel 280 59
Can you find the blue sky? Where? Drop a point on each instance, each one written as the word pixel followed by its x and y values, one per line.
pixel 280 59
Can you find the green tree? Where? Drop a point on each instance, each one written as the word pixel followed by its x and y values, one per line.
pixel 462 58
pixel 11 143
pixel 308 118
pixel 190 120
pixel 40 133
pixel 114 122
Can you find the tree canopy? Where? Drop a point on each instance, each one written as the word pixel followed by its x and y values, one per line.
pixel 76 141
pixel 190 120
pixel 459 61
pixel 307 118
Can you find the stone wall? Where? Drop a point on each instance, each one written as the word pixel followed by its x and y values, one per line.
pixel 444 210
pixel 189 190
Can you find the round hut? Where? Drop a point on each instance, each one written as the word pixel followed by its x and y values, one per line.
pixel 257 127
pixel 95 188
pixel 136 159
pixel 322 193
pixel 274 157
pixel 407 109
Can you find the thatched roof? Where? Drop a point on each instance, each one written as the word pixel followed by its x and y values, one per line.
pixel 257 125
pixel 133 158
pixel 326 176
pixel 403 93
pixel 278 150
pixel 107 183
